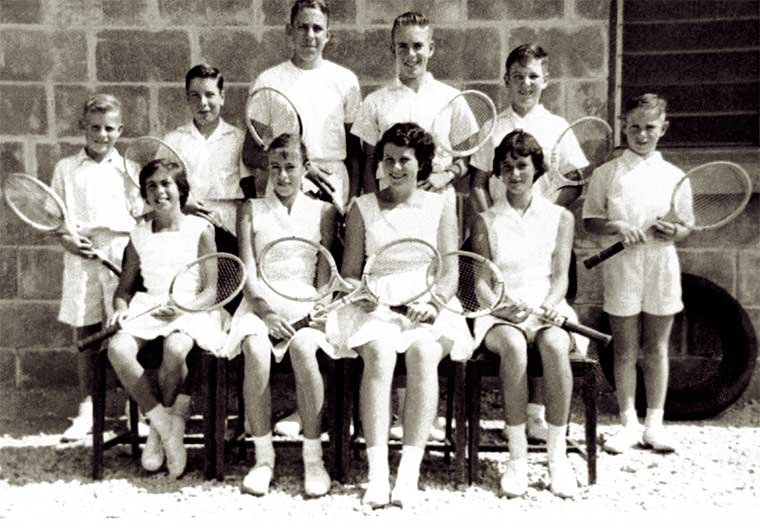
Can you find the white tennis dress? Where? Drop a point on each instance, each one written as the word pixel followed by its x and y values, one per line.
pixel 522 246
pixel 351 326
pixel 162 256
pixel 272 220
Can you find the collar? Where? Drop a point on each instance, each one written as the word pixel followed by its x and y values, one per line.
pixel 537 206
pixel 275 204
pixel 113 158
pixel 427 78
pixel 222 129
pixel 631 159
pixel 534 112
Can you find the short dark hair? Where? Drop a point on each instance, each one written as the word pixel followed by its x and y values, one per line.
pixel 300 5
pixel 415 137
pixel 648 101
pixel 289 141
pixel 520 143
pixel 524 54
pixel 410 18
pixel 175 170
pixel 204 71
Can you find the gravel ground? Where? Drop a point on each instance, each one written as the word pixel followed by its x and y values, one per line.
pixel 716 471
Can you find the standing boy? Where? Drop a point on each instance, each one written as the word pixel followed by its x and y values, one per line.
pixel 102 203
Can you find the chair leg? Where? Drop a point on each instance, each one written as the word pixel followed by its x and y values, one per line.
pixel 460 430
pixel 334 414
pixel 208 366
pixel 590 390
pixel 220 418
pixel 473 421
pixel 134 435
pixel 98 415
pixel 450 384
pixel 347 413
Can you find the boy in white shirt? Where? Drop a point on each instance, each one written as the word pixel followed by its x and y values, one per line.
pixel 326 96
pixel 102 203
pixel 211 148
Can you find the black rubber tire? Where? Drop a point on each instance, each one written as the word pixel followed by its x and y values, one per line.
pixel 738 341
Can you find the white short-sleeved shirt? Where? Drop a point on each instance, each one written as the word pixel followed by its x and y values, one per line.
pixel 397 103
pixel 546 127
pixel 326 97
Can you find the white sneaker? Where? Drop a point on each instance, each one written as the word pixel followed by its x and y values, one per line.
pixel 174 447
pixel 289 426
pixel 316 479
pixel 81 426
pixel 564 484
pixel 257 481
pixel 514 481
pixel 537 428
pixel 622 440
pixel 405 495
pixel 377 494
pixel 660 440
pixel 152 457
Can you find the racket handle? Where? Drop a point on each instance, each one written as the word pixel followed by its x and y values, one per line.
pixel 603 255
pixel 107 332
pixel 111 266
pixel 587 331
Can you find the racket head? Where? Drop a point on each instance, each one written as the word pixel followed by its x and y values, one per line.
pixel 480 286
pixel 465 124
pixel 208 282
pixel 283 259
pixel 34 202
pixel 710 195
pixel 143 150
pixel 270 113
pixel 594 137
pixel 401 271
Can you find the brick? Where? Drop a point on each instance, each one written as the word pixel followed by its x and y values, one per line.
pixel 206 12
pixel 234 105
pixel 12 157
pixel 32 325
pixel 716 266
pixel 21 11
pixel 592 9
pixel 135 108
pixel 118 12
pixel 458 54
pixel 68 109
pixel 553 98
pixel 494 90
pixel 67 13
pixel 437 11
pixel 8 273
pixel 48 155
pixel 43 55
pixel 7 369
pixel 241 55
pixel 140 56
pixel 14 232
pixel 46 369
pixel 590 289
pixel 579 52
pixel 515 9
pixel 377 65
pixel 23 110
pixel 40 272
pixel 277 12
pixel 172 109
pixel 586 98
pixel 749 278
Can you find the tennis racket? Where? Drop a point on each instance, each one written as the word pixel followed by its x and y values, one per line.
pixel 204 284
pixel 40 207
pixel 269 113
pixel 481 290
pixel 465 124
pixel 592 136
pixel 145 149
pixel 412 264
pixel 707 197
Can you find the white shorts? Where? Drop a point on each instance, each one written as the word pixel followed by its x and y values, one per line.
pixel 644 278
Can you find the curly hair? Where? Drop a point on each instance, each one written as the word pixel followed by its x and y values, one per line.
pixel 175 170
pixel 415 137
pixel 520 143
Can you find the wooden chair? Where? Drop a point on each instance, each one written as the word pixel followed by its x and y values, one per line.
pixel 486 364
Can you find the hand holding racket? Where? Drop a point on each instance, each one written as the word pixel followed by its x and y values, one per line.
pixel 40 207
pixel 396 275
pixel 707 197
pixel 591 136
pixel 481 291
pixel 204 284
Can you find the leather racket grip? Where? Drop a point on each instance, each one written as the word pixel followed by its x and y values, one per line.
pixel 87 342
pixel 587 331
pixel 603 255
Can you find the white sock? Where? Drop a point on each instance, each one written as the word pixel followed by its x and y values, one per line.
pixel 536 410
pixel 377 459
pixel 629 417
pixel 181 406
pixel 312 450
pixel 518 441
pixel 264 449
pixel 409 466
pixel 160 419
pixel 556 443
pixel 654 418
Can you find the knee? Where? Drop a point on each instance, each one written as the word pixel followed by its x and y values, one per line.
pixel 121 351
pixel 176 349
pixel 554 347
pixel 303 351
pixel 379 362
pixel 423 358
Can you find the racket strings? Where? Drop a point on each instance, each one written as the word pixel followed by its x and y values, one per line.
pixel 711 195
pixel 465 123
pixel 595 139
pixel 289 268
pixel 479 289
pixel 208 283
pixel 32 202
pixel 270 114
pixel 402 272
pixel 146 149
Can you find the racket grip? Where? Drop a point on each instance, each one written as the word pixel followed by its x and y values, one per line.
pixel 603 255
pixel 87 342
pixel 587 331
pixel 111 266
pixel 301 323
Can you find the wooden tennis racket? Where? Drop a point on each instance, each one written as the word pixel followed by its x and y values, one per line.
pixel 142 150
pixel 592 136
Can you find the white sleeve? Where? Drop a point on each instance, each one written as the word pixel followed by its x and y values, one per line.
pixel 595 205
pixel 352 101
pixel 366 125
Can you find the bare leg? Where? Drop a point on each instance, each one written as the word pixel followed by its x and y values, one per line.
pixel 256 391
pixel 656 334
pixel 554 346
pixel 626 336
pixel 310 387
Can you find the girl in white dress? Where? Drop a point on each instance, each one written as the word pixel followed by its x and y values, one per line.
pixel 158 249
pixel 264 315
pixel 376 334
pixel 530 240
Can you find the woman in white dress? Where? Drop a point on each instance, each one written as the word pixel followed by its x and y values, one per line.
pixel 530 240
pixel 401 210
pixel 158 249
pixel 264 316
